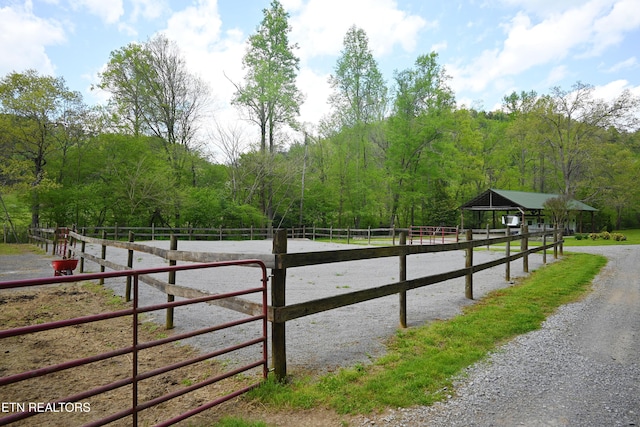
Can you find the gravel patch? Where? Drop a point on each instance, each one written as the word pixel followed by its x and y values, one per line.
pixel 580 369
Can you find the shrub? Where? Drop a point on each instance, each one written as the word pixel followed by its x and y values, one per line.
pixel 594 236
pixel 618 237
pixel 605 235
pixel 578 236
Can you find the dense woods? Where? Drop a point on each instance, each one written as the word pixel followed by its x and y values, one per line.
pixel 391 153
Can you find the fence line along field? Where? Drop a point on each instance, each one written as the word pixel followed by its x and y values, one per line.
pixel 340 337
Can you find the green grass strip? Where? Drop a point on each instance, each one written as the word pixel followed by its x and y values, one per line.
pixel 421 362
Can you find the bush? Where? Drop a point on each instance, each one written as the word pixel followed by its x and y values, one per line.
pixel 605 235
pixel 578 236
pixel 618 237
pixel 594 236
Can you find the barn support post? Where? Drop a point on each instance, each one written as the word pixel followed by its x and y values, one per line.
pixel 403 277
pixel 468 285
pixel 278 286
pixel 507 255
pixel 127 292
pixel 524 247
pixel 173 245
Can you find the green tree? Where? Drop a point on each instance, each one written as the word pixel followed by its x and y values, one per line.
pixel 154 94
pixel 571 123
pixel 35 108
pixel 269 94
pixel 359 102
pixel 423 101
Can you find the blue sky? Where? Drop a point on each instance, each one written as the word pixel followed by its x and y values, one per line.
pixel 488 47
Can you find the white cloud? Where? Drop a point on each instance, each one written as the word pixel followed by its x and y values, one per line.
pixel 211 54
pixel 148 9
pixel 316 91
pixel 614 89
pixel 24 37
pixel 109 11
pixel 609 29
pixel 626 64
pixel 319 26
pixel 560 34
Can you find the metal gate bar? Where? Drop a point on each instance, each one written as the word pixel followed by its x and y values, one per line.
pixel 134 312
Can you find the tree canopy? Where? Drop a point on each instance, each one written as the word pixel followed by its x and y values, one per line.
pixel 395 153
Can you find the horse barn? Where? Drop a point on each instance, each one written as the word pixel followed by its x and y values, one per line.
pixel 520 207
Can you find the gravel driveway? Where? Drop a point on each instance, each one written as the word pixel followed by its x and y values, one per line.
pixel 581 369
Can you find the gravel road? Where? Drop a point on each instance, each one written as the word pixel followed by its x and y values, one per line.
pixel 581 369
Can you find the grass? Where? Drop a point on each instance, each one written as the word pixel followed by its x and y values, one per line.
pixel 421 362
pixel 19 249
pixel 633 238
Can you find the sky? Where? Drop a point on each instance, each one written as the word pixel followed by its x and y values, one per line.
pixel 489 48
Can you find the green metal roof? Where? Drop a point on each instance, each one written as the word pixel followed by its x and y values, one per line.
pixel 509 200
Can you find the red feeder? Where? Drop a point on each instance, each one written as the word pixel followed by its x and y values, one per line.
pixel 64 267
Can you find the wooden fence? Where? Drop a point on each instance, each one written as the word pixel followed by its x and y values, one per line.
pixel 280 261
pixel 248 233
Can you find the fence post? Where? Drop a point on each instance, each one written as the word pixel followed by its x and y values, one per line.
pixel 103 255
pixel 173 245
pixel 524 247
pixel 555 242
pixel 468 285
pixel 82 248
pixel 403 277
pixel 278 286
pixel 488 236
pixel 560 239
pixel 544 243
pixel 127 292
pixel 507 253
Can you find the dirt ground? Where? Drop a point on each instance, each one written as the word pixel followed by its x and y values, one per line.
pixel 18 354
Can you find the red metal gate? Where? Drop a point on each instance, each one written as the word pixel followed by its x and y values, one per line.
pixel 22 410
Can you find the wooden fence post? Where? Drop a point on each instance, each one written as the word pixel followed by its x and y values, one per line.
pixel 507 254
pixel 524 247
pixel 278 286
pixel 173 245
pixel 403 277
pixel 544 243
pixel 127 292
pixel 83 245
pixel 488 236
pixel 468 285
pixel 103 254
pixel 561 244
pixel 555 241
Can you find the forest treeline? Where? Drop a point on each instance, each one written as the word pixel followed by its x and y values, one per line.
pixel 391 153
